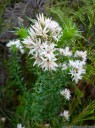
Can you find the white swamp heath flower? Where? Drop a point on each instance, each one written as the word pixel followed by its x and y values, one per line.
pixel 65 114
pixel 17 44
pixel 66 93
pixel 20 126
pixel 76 70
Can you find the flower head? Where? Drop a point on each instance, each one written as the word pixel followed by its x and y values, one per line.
pixel 36 47
pixel 65 52
pixel 49 64
pixel 66 93
pixel 20 126
pixel 45 28
pixel 65 114
pixel 28 42
pixel 76 70
pixel 81 54
pixel 17 44
pixel 48 50
pixel 64 66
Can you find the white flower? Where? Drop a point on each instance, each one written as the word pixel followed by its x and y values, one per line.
pixel 44 56
pixel 32 33
pixel 66 93
pixel 36 47
pixel 65 114
pixel 13 42
pixel 21 49
pixel 64 66
pixel 40 31
pixel 20 126
pixel 83 62
pixel 77 74
pixel 28 42
pixel 40 42
pixel 38 60
pixel 48 50
pixel 46 28
pixel 17 44
pixel 65 52
pixel 49 64
pixel 81 54
pixel 77 70
pixel 76 64
pixel 41 19
pixel 55 30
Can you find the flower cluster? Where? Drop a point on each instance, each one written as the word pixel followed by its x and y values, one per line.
pixel 41 44
pixel 76 63
pixel 45 28
pixel 77 66
pixel 44 56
